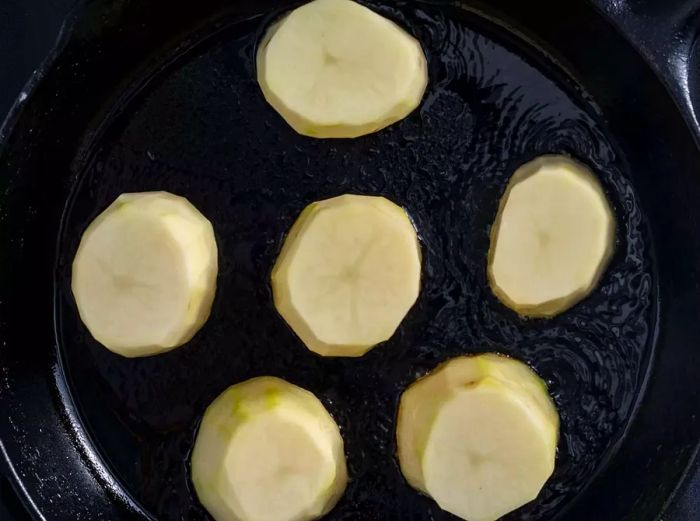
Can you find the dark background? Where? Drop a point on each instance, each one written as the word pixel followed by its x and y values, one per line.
pixel 28 29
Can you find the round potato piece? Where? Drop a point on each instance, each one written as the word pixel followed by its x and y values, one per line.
pixel 478 435
pixel 347 274
pixel 144 276
pixel 336 69
pixel 552 239
pixel 268 450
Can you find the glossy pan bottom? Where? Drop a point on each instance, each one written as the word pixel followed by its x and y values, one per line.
pixel 201 128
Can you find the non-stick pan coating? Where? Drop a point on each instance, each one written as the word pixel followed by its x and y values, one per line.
pixel 201 128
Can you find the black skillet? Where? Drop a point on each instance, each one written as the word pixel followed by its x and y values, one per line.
pixel 162 95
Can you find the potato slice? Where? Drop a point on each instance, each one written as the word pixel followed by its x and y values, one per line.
pixel 478 435
pixel 268 450
pixel 552 238
pixel 336 69
pixel 144 276
pixel 347 274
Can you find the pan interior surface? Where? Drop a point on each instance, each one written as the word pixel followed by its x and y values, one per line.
pixel 199 127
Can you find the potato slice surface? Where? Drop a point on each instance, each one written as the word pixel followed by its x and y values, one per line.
pixel 144 275
pixel 552 239
pixel 268 450
pixel 347 274
pixel 336 69
pixel 478 435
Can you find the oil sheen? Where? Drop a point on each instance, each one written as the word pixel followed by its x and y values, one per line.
pixel 201 128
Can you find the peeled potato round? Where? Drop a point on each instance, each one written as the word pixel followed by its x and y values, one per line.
pixel 478 435
pixel 552 238
pixel 336 69
pixel 268 450
pixel 347 274
pixel 144 275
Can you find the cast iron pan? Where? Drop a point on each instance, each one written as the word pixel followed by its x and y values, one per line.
pixel 162 95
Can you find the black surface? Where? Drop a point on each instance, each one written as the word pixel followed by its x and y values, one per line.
pixel 492 104
pixel 681 514
pixel 28 31
pixel 11 508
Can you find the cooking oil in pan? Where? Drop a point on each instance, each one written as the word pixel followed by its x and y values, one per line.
pixel 201 128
